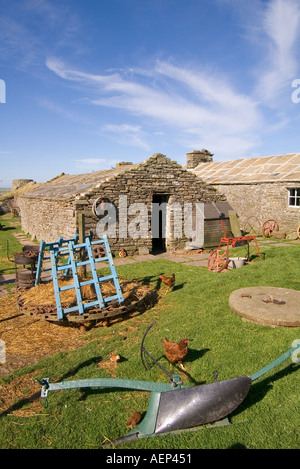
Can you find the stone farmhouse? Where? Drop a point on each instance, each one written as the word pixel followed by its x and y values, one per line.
pixel 156 205
pixel 258 189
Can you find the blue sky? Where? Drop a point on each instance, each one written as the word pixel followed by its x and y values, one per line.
pixel 89 83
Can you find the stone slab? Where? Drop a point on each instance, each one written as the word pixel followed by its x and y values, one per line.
pixel 122 261
pixel 145 257
pixel 267 305
pixel 197 263
pixel 176 258
pixel 8 278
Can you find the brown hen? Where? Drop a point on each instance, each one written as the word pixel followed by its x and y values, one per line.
pixel 134 419
pixel 114 357
pixel 176 352
pixel 169 281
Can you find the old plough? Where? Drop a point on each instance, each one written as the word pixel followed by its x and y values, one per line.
pixel 174 407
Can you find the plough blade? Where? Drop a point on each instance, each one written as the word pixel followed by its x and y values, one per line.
pixel 188 407
pixel 199 405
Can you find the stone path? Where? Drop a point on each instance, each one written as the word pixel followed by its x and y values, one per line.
pixel 23 239
pixel 183 257
pixel 186 259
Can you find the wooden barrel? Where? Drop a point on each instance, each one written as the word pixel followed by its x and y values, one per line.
pixel 25 278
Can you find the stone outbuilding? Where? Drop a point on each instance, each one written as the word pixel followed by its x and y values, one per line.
pixel 143 207
pixel 258 189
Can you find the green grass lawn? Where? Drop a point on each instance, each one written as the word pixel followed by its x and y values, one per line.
pixel 197 308
pixel 8 243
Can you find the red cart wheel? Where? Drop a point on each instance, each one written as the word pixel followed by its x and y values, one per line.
pixel 217 260
pixel 268 227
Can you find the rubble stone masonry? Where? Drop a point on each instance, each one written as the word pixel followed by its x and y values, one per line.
pixel 48 218
pixel 256 203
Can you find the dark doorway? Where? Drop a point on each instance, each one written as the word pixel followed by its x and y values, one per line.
pixel 158 222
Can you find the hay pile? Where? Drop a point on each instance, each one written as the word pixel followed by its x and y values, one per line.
pixel 41 299
pixel 28 340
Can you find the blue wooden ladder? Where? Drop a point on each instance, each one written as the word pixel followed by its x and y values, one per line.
pixel 70 248
pixel 44 255
pixel 113 273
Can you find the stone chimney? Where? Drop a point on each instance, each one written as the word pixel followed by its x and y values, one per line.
pixel 123 163
pixel 17 183
pixel 196 156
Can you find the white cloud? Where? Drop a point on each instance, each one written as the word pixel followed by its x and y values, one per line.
pixel 24 45
pixel 94 164
pixel 66 113
pixel 216 102
pixel 197 108
pixel 126 134
pixel 192 104
pixel 280 29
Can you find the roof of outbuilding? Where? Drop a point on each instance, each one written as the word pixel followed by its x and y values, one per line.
pixel 68 186
pixel 276 168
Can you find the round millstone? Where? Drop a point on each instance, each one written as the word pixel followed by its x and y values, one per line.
pixel 267 305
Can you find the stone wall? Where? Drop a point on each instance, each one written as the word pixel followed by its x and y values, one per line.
pixel 6 205
pixel 158 175
pixel 257 202
pixel 17 183
pixel 47 220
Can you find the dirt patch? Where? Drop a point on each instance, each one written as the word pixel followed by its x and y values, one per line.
pixel 26 342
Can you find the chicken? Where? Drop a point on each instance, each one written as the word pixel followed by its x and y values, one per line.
pixel 111 364
pixel 122 253
pixel 114 358
pixel 134 419
pixel 169 281
pixel 176 352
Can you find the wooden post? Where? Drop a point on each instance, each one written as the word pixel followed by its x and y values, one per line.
pixel 81 223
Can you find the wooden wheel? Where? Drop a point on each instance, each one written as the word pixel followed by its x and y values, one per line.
pixel 268 227
pixel 218 260
pixel 298 231
pixel 98 251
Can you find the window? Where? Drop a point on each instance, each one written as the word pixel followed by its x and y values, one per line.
pixel 294 197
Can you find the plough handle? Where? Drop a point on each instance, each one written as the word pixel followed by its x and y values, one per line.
pixel 292 351
pixel 104 383
pixel 174 379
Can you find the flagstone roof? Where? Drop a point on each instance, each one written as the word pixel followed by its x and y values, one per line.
pixel 278 168
pixel 68 186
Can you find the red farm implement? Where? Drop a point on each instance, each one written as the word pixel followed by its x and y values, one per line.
pixel 219 258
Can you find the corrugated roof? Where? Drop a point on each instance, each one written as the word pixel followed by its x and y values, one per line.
pixel 247 170
pixel 71 185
